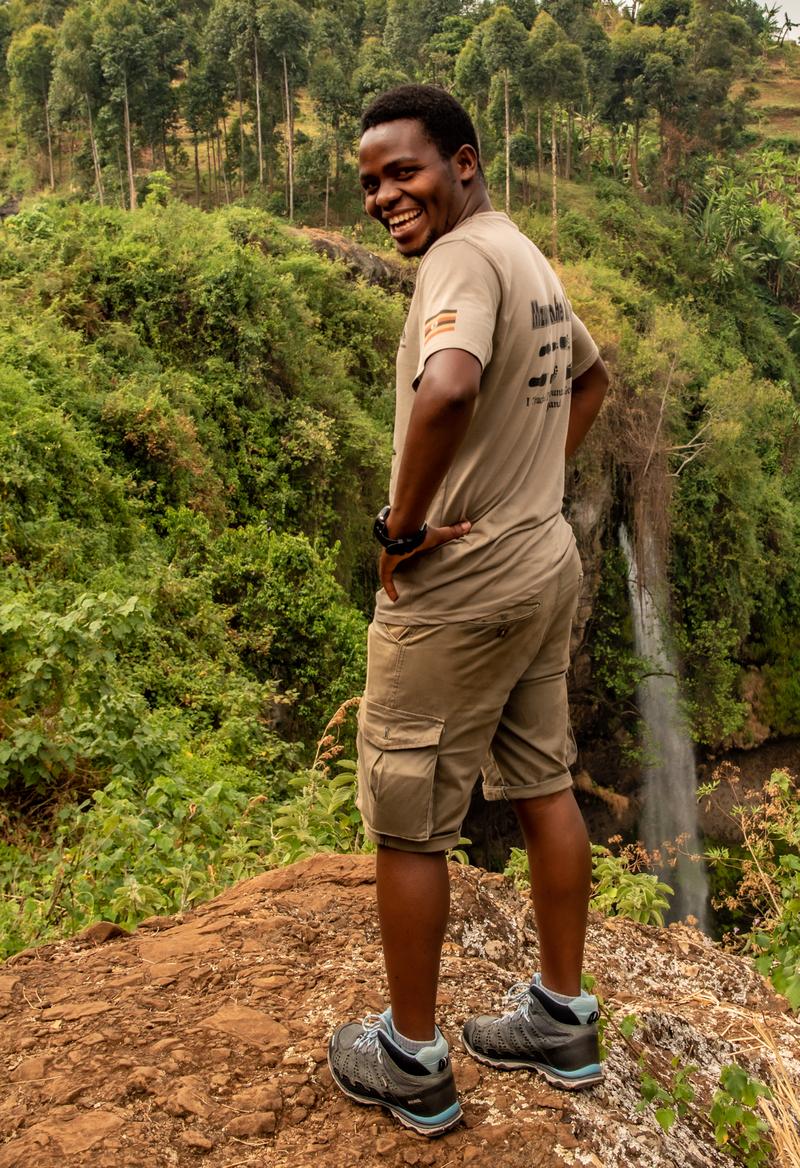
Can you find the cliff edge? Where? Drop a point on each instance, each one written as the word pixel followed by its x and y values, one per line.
pixel 200 1039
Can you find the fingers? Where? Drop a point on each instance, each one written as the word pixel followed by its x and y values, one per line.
pixel 386 570
pixel 434 537
pixel 439 535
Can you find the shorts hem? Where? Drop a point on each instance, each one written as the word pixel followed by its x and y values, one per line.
pixel 439 844
pixel 532 791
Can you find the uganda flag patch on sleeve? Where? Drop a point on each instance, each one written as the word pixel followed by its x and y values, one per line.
pixel 440 322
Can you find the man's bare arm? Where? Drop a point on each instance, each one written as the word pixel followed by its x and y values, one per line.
pixel 588 392
pixel 440 418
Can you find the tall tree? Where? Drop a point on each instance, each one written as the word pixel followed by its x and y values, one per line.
pixel 286 31
pixel 121 45
pixel 375 72
pixel 535 80
pixel 78 85
pixel 30 66
pixel 503 40
pixel 331 91
pixel 471 79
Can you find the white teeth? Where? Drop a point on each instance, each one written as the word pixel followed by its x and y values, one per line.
pixel 396 220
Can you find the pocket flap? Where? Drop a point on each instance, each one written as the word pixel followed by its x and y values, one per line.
pixel 391 729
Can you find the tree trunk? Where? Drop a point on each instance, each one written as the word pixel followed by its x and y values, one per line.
pixel 128 148
pixel 289 137
pixel 98 178
pixel 196 168
pixel 121 179
pixel 554 189
pixel 210 169
pixel 221 161
pixel 241 134
pixel 568 163
pixel 327 197
pixel 538 157
pixel 258 113
pixel 613 152
pixel 634 158
pixel 49 143
pixel 508 141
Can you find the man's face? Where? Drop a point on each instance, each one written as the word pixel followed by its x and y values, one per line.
pixel 408 187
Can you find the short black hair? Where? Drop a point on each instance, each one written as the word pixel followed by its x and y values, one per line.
pixel 445 121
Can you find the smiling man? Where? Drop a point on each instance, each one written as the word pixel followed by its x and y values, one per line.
pixel 497 381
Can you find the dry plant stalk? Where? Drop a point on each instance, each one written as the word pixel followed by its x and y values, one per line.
pixel 328 746
pixel 782 1111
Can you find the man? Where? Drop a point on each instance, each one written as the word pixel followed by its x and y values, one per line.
pixel 496 381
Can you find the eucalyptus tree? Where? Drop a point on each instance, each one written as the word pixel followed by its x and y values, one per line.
pixel 30 59
pixel 410 26
pixel 331 90
pixel 121 46
pixel 471 79
pixel 375 71
pixel 227 72
pixel 78 85
pixel 503 41
pixel 234 28
pixel 5 40
pixel 441 50
pixel 566 73
pixel 286 31
pixel 630 99
pixel 166 48
pixel 534 80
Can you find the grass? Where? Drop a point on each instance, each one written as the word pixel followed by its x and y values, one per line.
pixel 782 1111
pixel 777 106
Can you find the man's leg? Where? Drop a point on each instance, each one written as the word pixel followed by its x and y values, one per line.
pixel 413 906
pixel 560 864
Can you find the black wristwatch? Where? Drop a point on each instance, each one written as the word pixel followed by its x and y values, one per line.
pixel 401 546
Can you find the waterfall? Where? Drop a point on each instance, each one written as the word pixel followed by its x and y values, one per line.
pixel 669 789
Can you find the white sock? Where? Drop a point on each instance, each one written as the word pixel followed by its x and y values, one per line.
pixel 411 1045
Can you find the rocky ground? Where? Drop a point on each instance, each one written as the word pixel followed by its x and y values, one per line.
pixel 200 1040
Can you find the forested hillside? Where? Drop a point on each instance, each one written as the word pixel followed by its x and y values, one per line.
pixel 196 409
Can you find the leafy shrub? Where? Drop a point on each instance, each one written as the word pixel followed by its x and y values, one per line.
pixel 763 878
pixel 618 889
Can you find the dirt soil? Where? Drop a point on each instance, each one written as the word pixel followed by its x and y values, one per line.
pixel 200 1040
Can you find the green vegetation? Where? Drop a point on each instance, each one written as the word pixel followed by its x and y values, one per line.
pixel 193 438
pixel 761 880
pixel 734 1115
pixel 619 887
pixel 196 417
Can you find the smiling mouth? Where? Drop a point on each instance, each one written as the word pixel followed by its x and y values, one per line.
pixel 397 224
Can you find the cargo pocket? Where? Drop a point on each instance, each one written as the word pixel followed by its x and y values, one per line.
pixel 397 753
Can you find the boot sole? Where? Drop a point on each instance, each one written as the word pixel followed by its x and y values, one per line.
pixel 550 1074
pixel 417 1125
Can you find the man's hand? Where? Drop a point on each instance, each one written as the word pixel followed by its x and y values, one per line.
pixel 434 537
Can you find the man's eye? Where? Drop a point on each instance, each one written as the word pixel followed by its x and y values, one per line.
pixel 405 173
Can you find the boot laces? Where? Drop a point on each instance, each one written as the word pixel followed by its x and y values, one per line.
pixel 519 997
pixel 368 1039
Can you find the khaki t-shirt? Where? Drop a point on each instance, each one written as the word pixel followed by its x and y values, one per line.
pixel 485 288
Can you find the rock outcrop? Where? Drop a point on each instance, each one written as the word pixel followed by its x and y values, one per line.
pixel 200 1039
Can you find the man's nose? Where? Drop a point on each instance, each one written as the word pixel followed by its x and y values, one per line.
pixel 387 193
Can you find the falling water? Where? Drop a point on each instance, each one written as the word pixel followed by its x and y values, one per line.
pixel 669 805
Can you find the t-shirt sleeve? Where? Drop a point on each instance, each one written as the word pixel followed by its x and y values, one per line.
pixel 584 350
pixel 459 297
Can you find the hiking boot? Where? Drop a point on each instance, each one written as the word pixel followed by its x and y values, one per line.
pixel 540 1034
pixel 419 1089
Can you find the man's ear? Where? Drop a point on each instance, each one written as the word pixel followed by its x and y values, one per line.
pixel 466 160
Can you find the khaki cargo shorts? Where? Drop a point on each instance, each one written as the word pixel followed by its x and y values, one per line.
pixel 443 702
